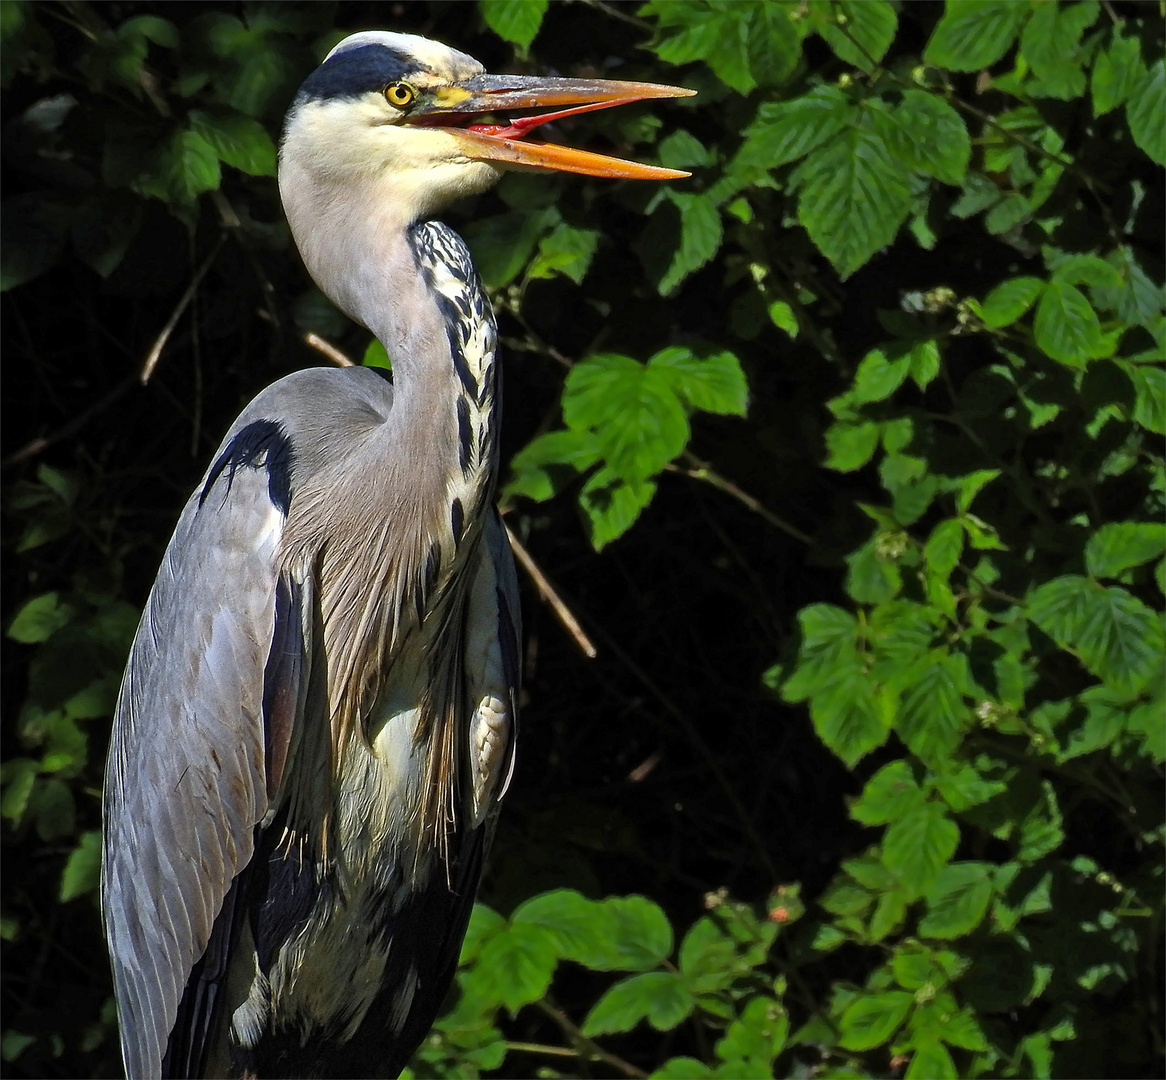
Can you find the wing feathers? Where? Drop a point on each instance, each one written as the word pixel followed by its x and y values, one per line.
pixel 187 782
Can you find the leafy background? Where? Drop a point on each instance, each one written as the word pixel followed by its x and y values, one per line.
pixel 845 454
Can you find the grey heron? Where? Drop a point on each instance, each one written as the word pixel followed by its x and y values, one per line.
pixel 316 722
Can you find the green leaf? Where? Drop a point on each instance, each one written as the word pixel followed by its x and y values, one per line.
pixel 873 577
pixel 930 1061
pixel 925 362
pixel 182 168
pixel 931 137
pixel 849 717
pixel 971 485
pixel 966 787
pixel 872 1019
pixel 850 446
pixel 887 916
pixel 682 1068
pixel 787 130
pixel 485 922
pixel 863 33
pixel 612 505
pixel 19 777
pixel 853 197
pixel 914 966
pixel 1116 71
pixel 772 44
pixel 707 957
pixel 565 250
pixel 82 872
pixel 944 547
pixel 34 228
pixel 515 967
pixel 918 846
pixel 716 35
pixel 1121 545
pixel 1051 43
pixel 1150 396
pixel 39 618
pixel 578 926
pixel 782 316
pixel 660 997
pixel 974 34
pixel 1106 712
pixel 878 377
pixel 14 1043
pixel 239 141
pixel 1144 111
pixel 683 150
pixel 1041 831
pixel 542 468
pixel 957 901
pixel 932 715
pixel 1009 300
pixel 1066 326
pixel 502 245
pixel 829 640
pixel 375 355
pixel 637 418
pixel 640 938
pixel 889 795
pixel 516 21
pixel 1079 269
pixel 713 383
pixel 758 1035
pixel 1114 634
pixel 700 238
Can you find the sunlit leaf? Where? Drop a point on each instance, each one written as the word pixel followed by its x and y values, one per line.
pixel 853 197
pixel 974 34
pixel 660 997
pixel 517 21
pixel 1145 109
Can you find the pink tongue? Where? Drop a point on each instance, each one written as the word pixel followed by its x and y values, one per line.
pixel 519 126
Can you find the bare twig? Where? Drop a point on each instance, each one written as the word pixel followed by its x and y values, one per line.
pixel 313 340
pixel 702 470
pixel 155 353
pixel 329 350
pixel 43 442
pixel 547 591
pixel 747 824
pixel 587 1048
pixel 541 1048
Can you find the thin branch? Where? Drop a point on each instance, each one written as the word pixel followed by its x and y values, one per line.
pixel 587 1048
pixel 329 350
pixel 155 353
pixel 43 442
pixel 547 591
pixel 313 340
pixel 702 470
pixel 541 1048
pixel 615 13
pixel 747 824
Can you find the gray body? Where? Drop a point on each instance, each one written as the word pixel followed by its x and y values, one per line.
pixel 317 720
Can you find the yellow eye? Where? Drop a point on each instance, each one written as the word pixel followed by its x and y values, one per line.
pixel 400 94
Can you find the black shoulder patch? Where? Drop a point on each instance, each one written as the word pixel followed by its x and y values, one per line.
pixel 356 71
pixel 262 444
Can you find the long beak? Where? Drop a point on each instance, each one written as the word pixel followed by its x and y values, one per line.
pixel 506 141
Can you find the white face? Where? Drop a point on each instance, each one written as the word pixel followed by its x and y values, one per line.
pixel 354 142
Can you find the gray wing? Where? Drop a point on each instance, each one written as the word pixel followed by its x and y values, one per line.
pixel 493 633
pixel 191 760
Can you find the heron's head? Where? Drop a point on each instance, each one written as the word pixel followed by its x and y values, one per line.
pixel 404 118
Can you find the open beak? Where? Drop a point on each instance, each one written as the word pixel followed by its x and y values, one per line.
pixel 506 141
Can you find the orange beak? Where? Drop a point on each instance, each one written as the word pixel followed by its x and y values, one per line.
pixel 505 142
